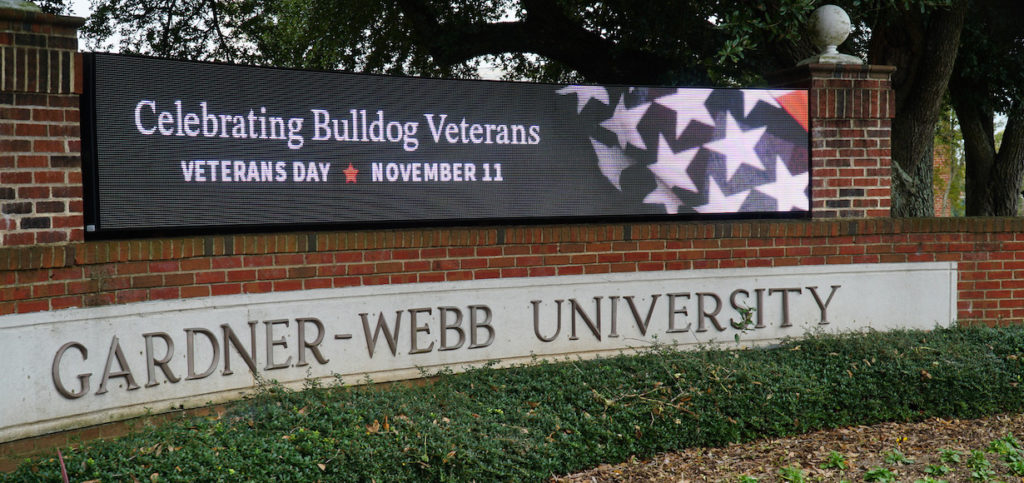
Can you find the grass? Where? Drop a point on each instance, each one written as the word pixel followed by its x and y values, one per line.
pixel 530 422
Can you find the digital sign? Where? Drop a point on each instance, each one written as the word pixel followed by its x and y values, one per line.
pixel 175 145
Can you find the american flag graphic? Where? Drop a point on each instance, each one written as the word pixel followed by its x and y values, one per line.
pixel 700 151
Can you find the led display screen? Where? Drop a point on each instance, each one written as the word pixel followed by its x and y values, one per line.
pixel 173 145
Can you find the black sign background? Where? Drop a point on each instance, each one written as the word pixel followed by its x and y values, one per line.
pixel 135 182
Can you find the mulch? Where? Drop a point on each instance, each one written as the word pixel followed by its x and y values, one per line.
pixel 864 448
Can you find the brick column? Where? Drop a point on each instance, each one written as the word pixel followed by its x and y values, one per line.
pixel 40 145
pixel 851 109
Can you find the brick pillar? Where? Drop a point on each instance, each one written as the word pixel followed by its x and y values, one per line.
pixel 40 145
pixel 851 109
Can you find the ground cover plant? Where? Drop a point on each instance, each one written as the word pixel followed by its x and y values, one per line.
pixel 531 422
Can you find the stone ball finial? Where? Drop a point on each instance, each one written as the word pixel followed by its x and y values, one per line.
pixel 829 26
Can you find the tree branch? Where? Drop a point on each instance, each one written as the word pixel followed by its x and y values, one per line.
pixel 547 31
pixel 165 42
pixel 222 42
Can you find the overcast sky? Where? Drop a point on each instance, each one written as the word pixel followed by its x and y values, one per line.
pixel 80 8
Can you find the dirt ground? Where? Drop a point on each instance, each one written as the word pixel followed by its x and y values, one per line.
pixel 864 448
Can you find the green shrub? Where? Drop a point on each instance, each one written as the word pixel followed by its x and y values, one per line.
pixel 529 422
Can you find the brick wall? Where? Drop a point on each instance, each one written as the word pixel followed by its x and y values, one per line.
pixel 40 165
pixel 850 109
pixel 989 251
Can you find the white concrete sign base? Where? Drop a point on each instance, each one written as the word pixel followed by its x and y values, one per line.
pixel 77 367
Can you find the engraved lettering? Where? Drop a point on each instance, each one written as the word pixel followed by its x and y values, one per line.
pixel 190 352
pixel 416 329
pixel 475 324
pixel 313 346
pixel 390 336
pixel 445 327
pixel 248 357
pixel 593 324
pixel 125 372
pixel 152 362
pixel 272 342
pixel 83 379
pixel 672 311
pixel 642 325
pixel 823 306
pixel 785 302
pixel 536 320
pixel 704 313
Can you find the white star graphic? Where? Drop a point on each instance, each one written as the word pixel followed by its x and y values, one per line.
pixel 689 106
pixel 611 161
pixel 719 203
pixel 623 124
pixel 584 94
pixel 671 167
pixel 789 191
pixel 663 195
pixel 752 96
pixel 737 146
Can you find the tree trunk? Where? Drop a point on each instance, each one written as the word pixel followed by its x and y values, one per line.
pixel 1010 163
pixel 979 145
pixel 993 178
pixel 912 155
pixel 923 48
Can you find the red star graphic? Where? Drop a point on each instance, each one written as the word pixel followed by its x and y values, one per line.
pixel 350 174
